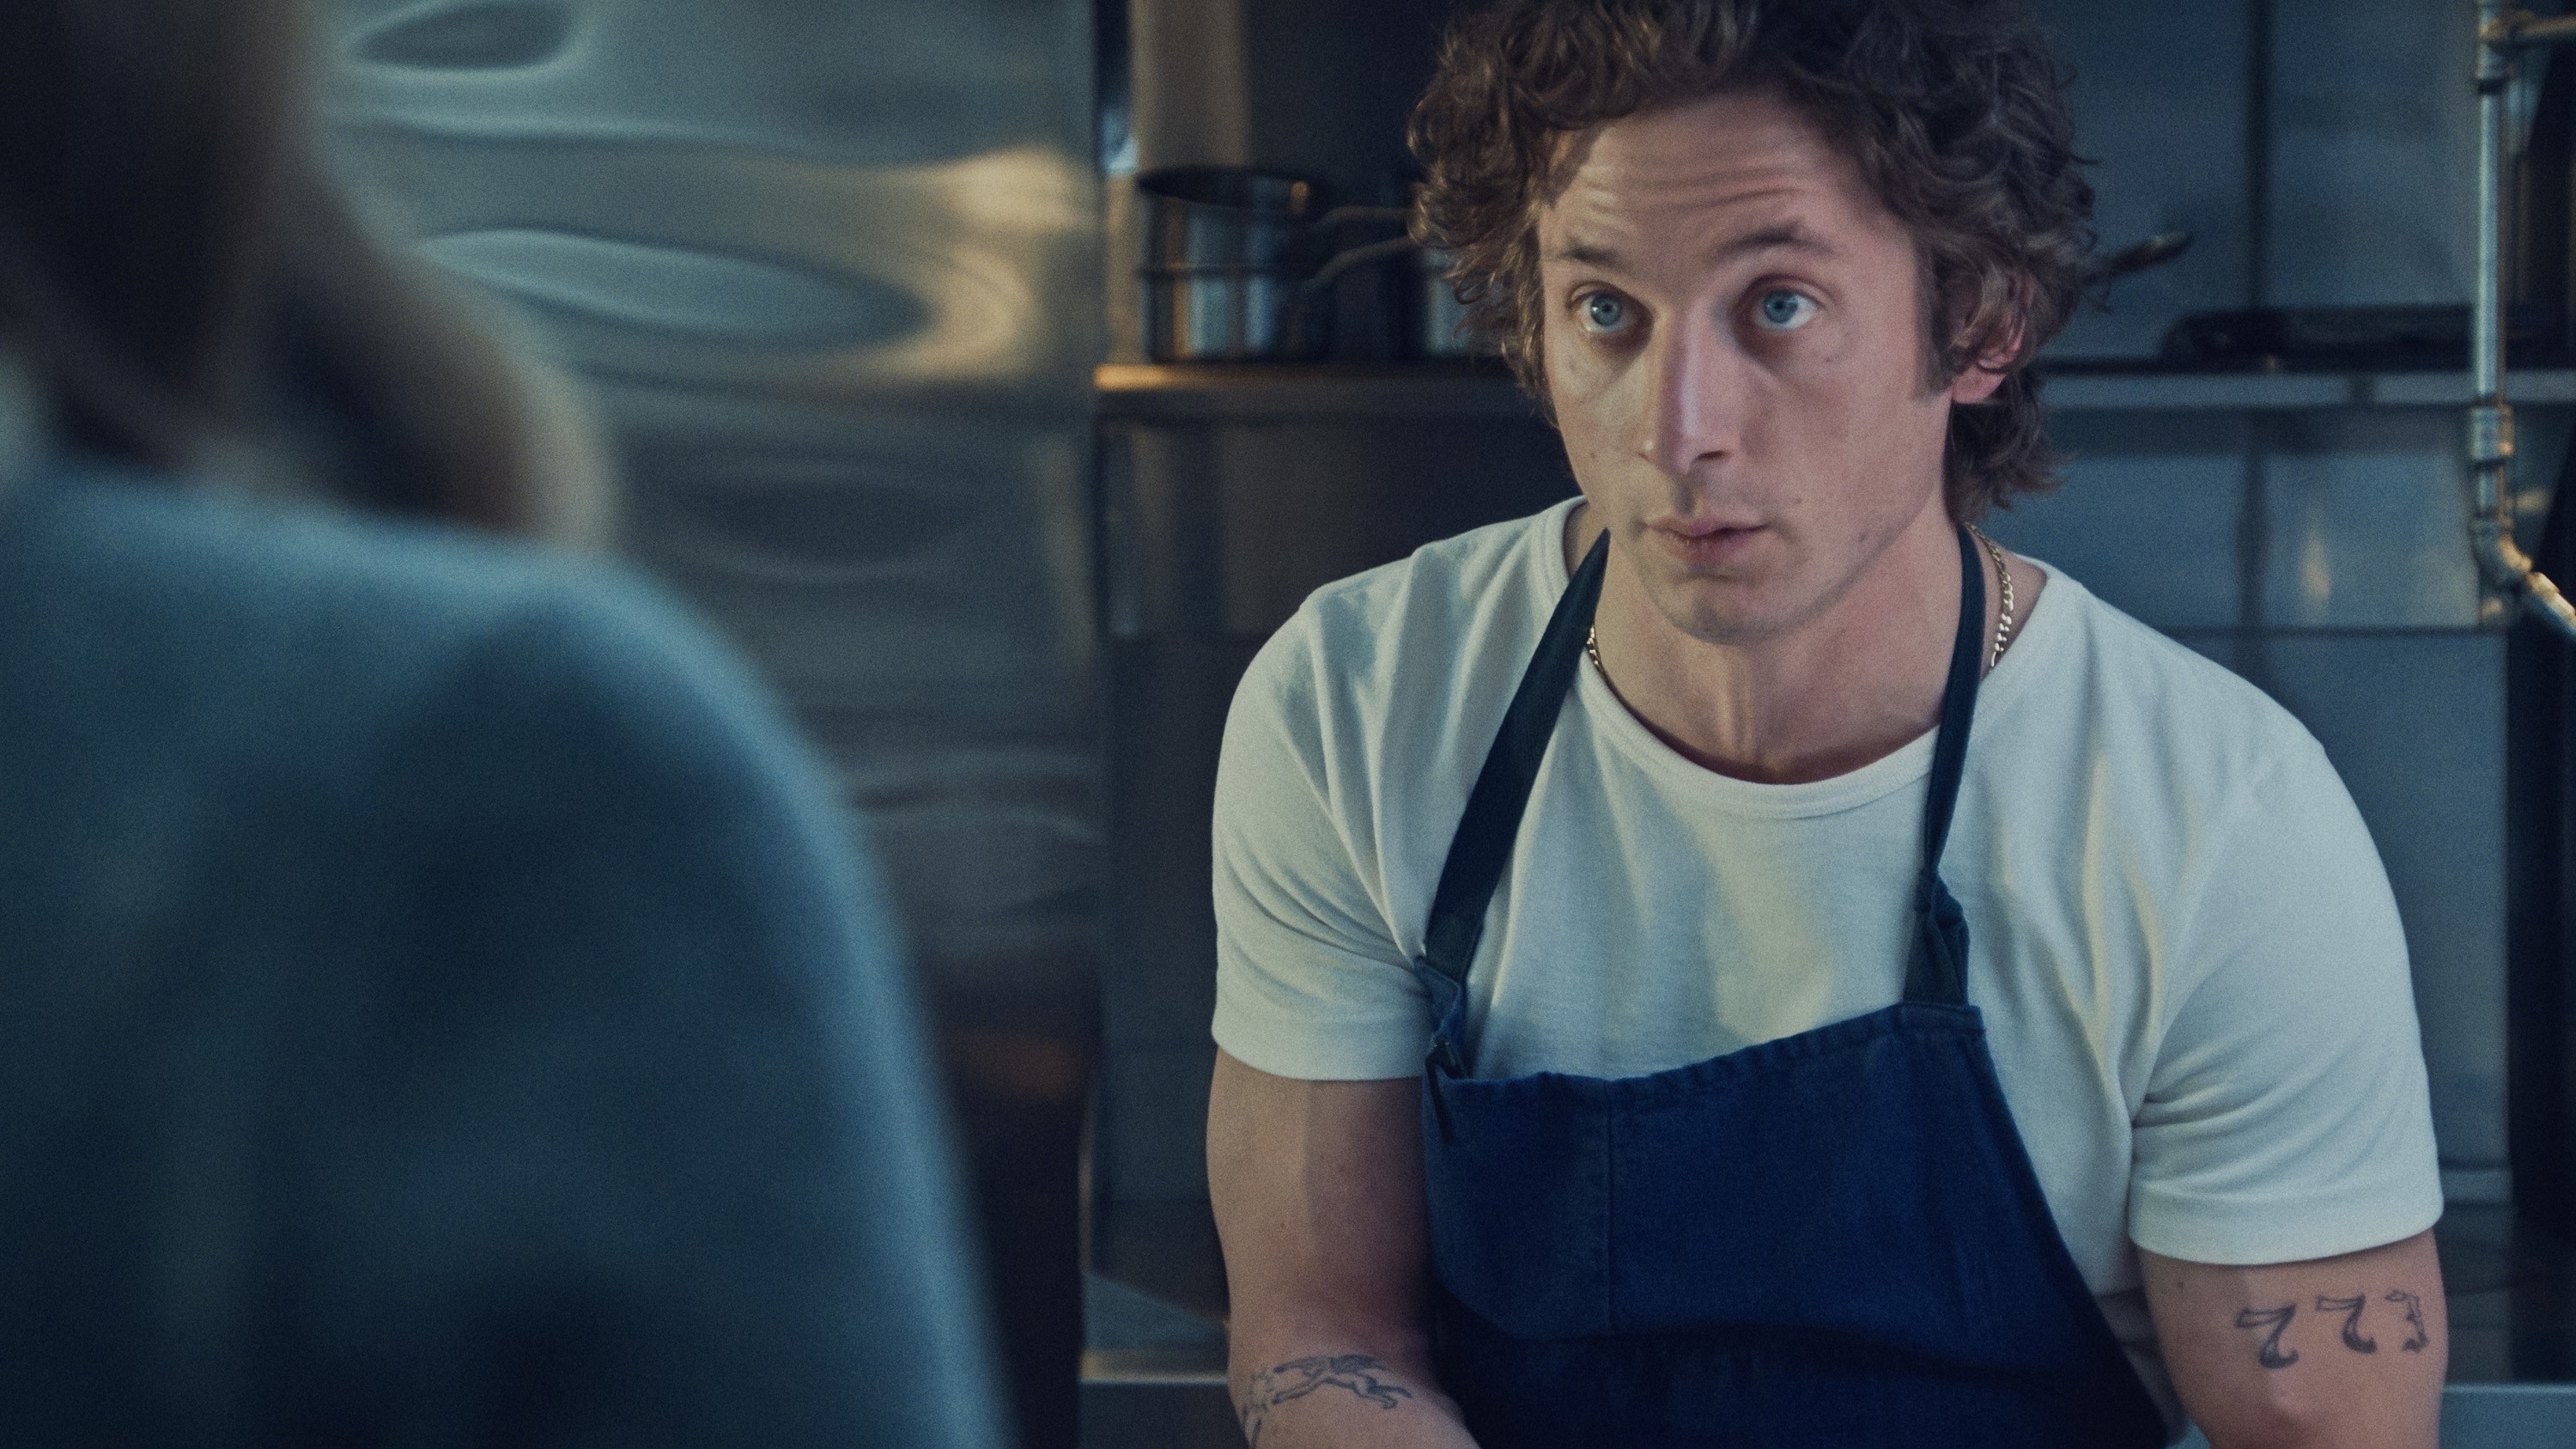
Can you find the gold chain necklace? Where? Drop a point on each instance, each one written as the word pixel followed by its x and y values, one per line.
pixel 2003 616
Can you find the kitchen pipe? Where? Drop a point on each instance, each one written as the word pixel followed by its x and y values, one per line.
pixel 2490 433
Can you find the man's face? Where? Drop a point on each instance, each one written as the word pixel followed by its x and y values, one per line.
pixel 1733 343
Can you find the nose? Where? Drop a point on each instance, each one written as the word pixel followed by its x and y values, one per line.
pixel 1694 380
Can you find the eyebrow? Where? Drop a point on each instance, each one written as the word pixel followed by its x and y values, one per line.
pixel 1791 237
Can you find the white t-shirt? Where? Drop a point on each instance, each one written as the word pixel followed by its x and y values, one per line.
pixel 2190 966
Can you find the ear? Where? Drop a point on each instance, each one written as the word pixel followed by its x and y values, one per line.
pixel 1975 385
pixel 1978 380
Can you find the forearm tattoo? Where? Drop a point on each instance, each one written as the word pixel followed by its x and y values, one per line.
pixel 1298 1377
pixel 2272 1355
pixel 2351 1309
pixel 2417 1335
pixel 2278 1320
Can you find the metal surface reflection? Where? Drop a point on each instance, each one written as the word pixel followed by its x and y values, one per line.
pixel 832 273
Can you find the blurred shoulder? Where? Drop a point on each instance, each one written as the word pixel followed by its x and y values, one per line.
pixel 181 653
pixel 217 598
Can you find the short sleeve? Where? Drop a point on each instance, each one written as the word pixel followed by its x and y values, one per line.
pixel 2286 1116
pixel 1311 982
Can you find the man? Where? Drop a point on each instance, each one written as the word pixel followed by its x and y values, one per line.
pixel 1650 1014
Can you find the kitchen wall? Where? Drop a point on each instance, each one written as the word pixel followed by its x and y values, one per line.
pixel 2311 540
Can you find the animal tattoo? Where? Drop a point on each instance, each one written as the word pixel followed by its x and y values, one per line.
pixel 1295 1379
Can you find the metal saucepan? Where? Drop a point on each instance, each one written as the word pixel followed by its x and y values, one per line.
pixel 1238 263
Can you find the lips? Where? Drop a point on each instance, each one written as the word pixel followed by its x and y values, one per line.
pixel 1706 541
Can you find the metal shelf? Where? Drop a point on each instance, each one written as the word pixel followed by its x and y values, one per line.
pixel 2079 391
pixel 1299 392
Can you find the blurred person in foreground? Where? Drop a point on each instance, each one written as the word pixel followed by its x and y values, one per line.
pixel 442 1006
pixel 1651 1014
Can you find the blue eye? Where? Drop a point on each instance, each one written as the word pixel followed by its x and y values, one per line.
pixel 1604 313
pixel 1785 311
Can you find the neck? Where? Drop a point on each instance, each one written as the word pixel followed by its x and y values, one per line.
pixel 1857 680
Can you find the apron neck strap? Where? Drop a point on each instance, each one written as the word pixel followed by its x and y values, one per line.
pixel 1483 845
pixel 1958 703
pixel 1937 968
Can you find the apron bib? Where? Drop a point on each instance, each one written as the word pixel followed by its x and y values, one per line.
pixel 1834 1240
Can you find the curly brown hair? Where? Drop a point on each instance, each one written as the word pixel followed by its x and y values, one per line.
pixel 1953 109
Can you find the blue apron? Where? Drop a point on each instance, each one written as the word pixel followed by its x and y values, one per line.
pixel 1830 1241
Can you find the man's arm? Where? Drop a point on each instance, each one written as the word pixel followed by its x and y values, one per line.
pixel 2345 1352
pixel 1319 1203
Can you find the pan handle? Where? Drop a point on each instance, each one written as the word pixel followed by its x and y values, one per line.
pixel 1331 271
pixel 1320 285
pixel 1346 215
pixel 2155 251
